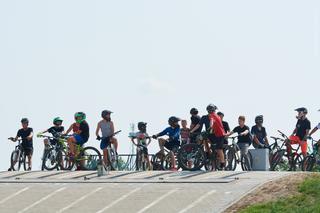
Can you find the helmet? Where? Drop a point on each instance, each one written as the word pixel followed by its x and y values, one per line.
pixel 211 108
pixel 57 119
pixel 82 115
pixel 194 111
pixel 259 119
pixel 220 114
pixel 172 120
pixel 142 126
pixel 24 120
pixel 302 109
pixel 104 113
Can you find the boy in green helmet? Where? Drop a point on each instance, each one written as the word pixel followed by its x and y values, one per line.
pixel 56 130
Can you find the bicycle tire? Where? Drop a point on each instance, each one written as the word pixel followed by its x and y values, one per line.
pixel 211 162
pixel 90 157
pixel 308 163
pixel 157 162
pixel 24 161
pixel 296 164
pixel 246 162
pixel 15 159
pixel 191 153
pixel 278 162
pixel 50 161
pixel 231 159
pixel 64 161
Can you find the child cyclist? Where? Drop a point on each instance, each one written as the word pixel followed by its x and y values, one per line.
pixel 26 134
pixel 106 127
pixel 55 130
pixel 185 132
pixel 142 138
pixel 173 142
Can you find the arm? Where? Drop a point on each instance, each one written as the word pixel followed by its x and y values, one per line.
pixel 245 133
pixel 69 130
pixel 30 136
pixel 195 128
pixel 112 128
pixel 97 130
pixel 132 139
pixel 294 131
pixel 229 134
pixel 306 136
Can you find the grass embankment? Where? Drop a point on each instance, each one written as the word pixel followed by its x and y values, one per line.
pixel 305 199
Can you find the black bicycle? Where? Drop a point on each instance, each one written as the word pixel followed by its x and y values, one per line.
pixel 312 162
pixel 18 157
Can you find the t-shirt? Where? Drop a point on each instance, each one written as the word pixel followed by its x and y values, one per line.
pixel 195 119
pixel 302 127
pixel 245 138
pixel 23 134
pixel 226 126
pixel 185 133
pixel 75 127
pixel 53 130
pixel 217 125
pixel 141 138
pixel 173 133
pixel 84 128
pixel 205 120
pixel 260 133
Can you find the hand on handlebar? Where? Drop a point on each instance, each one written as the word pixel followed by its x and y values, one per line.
pixel 154 137
pixel 98 138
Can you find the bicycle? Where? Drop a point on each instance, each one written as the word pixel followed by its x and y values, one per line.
pixel 312 161
pixel 162 160
pixel 233 158
pixel 283 161
pixel 112 160
pixel 56 156
pixel 18 157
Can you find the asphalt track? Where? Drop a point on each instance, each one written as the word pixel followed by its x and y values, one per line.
pixel 134 192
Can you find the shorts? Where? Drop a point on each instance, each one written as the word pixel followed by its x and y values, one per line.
pixel 53 142
pixel 105 142
pixel 172 145
pixel 79 139
pixel 28 150
pixel 297 140
pixel 144 150
pixel 244 148
pixel 217 141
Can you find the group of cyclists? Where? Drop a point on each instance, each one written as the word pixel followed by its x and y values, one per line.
pixel 171 137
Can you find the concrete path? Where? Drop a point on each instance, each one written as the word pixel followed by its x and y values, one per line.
pixel 134 192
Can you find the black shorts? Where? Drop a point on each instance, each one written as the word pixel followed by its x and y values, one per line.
pixel 28 150
pixel 172 145
pixel 217 141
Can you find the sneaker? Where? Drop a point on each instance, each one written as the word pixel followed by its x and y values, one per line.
pixel 29 169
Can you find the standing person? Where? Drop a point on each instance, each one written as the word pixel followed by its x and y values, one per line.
pixel 301 132
pixel 57 128
pixel 225 125
pixel 81 136
pixel 217 133
pixel 173 142
pixel 26 134
pixel 195 120
pixel 184 132
pixel 259 133
pixel 106 127
pixel 244 139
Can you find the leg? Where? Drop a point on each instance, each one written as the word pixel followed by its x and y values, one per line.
pixel 304 148
pixel 162 142
pixel 114 141
pixel 71 143
pixel 173 162
pixel 105 156
pixel 29 161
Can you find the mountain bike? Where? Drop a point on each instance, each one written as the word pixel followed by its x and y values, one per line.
pixel 162 160
pixel 141 162
pixel 112 160
pixel 312 162
pixel 18 157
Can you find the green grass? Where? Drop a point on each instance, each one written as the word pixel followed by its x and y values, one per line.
pixel 307 200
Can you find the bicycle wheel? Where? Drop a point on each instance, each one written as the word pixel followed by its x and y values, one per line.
pixel 89 158
pixel 246 162
pixel 50 160
pixel 211 162
pixel 64 161
pixel 308 163
pixel 25 161
pixel 296 164
pixel 279 161
pixel 15 160
pixel 157 162
pixel 138 161
pixel 191 157
pixel 231 159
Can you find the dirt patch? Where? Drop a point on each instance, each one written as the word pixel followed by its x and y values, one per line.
pixel 271 191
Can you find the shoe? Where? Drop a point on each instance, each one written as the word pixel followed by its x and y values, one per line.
pixel 29 169
pixel 173 170
pixel 9 170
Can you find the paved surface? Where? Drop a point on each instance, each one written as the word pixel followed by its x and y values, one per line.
pixel 136 192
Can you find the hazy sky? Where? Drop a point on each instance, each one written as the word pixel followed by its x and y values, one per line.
pixel 148 60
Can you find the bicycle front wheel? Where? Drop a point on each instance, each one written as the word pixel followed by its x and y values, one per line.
pixel 231 159
pixel 246 162
pixel 308 163
pixel 89 158
pixel 191 157
pixel 16 160
pixel 50 160
pixel 297 162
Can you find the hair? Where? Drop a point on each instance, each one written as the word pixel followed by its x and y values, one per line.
pixel 241 117
pixel 183 121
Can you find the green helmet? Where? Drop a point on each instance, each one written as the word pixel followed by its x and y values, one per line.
pixel 57 119
pixel 81 115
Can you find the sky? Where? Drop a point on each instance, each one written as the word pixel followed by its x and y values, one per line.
pixel 148 60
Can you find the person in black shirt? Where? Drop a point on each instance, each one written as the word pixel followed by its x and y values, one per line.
pixel 225 125
pixel 244 139
pixel 82 135
pixel 26 134
pixel 301 132
pixel 259 133
pixel 195 120
pixel 55 130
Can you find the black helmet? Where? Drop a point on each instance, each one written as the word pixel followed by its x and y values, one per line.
pixel 24 120
pixel 104 113
pixel 194 111
pixel 211 108
pixel 142 126
pixel 220 114
pixel 302 109
pixel 172 120
pixel 259 119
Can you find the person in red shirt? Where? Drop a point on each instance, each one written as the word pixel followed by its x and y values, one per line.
pixel 218 133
